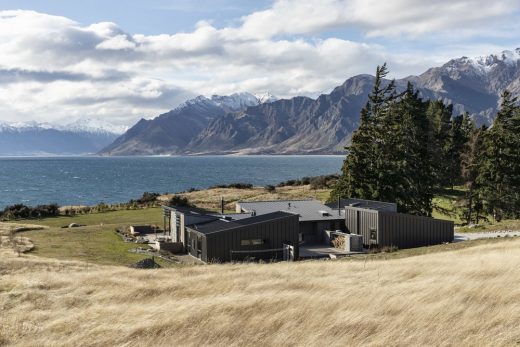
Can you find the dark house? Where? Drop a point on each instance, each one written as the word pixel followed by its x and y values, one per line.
pixel 265 237
pixel 381 228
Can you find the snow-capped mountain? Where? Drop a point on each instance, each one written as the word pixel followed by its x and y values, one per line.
pixel 93 126
pixel 173 131
pixel 255 124
pixel 265 97
pixel 33 138
pixel 231 103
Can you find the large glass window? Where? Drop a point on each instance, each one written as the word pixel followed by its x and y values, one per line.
pixel 253 242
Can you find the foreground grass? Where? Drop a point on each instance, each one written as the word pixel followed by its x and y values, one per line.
pixel 465 297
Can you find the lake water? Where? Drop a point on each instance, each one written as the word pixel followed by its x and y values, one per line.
pixel 91 180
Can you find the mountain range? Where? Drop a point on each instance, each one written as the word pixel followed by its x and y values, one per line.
pixel 243 124
pixel 85 136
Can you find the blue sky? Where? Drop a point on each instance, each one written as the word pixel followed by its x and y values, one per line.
pixel 119 61
pixel 145 17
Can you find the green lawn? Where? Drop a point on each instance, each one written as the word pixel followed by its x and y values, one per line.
pixel 122 217
pixel 445 204
pixel 97 242
pixel 94 244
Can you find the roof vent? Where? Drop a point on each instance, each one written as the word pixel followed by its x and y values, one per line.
pixel 253 213
pixel 324 213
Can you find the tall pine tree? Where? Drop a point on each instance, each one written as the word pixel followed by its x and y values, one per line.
pixel 361 168
pixel 499 176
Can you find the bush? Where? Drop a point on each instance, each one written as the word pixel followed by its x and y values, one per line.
pixel 316 182
pixel 147 199
pixel 178 200
pixel 234 185
pixel 21 211
pixel 270 188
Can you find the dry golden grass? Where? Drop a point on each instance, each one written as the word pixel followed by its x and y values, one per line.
pixel 210 198
pixel 468 297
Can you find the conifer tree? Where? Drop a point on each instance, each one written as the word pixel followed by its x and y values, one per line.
pixel 411 175
pixel 499 177
pixel 361 168
pixel 439 116
pixel 471 161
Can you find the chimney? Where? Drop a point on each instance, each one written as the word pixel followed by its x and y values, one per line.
pixel 222 205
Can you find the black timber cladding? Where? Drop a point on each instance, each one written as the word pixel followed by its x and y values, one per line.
pixel 215 240
pixel 382 228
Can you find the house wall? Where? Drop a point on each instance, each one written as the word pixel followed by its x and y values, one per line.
pixel 407 231
pixel 361 221
pixel 397 229
pixel 196 244
pixel 273 233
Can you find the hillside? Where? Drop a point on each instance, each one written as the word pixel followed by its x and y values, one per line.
pixel 464 297
pixel 302 125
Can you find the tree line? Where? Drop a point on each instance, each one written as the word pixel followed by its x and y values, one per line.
pixel 407 148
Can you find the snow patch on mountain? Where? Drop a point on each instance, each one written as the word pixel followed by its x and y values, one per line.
pixel 95 126
pixel 485 64
pixel 234 102
pixel 92 126
pixel 265 97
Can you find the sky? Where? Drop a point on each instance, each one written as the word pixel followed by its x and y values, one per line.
pixel 119 61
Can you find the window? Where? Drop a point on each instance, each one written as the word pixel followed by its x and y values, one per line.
pixel 253 242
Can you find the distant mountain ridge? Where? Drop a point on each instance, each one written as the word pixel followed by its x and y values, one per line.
pixel 245 124
pixel 43 139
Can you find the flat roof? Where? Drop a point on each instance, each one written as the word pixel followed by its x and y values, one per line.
pixel 308 210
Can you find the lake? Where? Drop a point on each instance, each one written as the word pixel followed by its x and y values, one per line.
pixel 91 180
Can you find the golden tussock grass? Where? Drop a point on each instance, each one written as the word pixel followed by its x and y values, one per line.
pixel 210 198
pixel 467 297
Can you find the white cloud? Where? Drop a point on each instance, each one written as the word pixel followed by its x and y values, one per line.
pixel 53 68
pixel 377 18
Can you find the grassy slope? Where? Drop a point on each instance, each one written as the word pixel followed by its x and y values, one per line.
pixel 96 242
pixel 210 198
pixel 466 297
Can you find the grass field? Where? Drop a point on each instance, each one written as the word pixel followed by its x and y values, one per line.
pixel 96 242
pixel 210 198
pixel 467 297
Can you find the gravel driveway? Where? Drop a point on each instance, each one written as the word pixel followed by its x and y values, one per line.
pixel 485 235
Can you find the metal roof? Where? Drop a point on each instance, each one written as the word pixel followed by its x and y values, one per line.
pixel 222 225
pixel 308 210
pixel 366 204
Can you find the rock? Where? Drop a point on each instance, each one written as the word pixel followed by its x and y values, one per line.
pixel 148 263
pixel 74 225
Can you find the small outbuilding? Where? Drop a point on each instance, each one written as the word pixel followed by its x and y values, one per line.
pixel 381 228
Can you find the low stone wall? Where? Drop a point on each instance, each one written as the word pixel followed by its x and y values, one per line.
pixel 172 247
